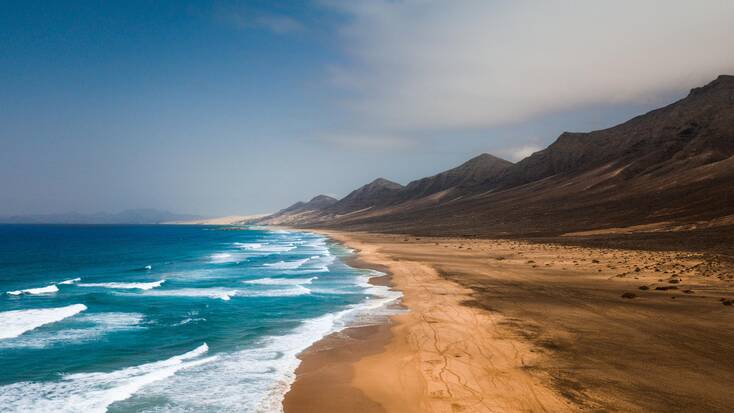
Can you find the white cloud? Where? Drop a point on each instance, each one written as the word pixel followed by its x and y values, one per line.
pixel 423 64
pixel 519 153
pixel 279 24
pixel 247 19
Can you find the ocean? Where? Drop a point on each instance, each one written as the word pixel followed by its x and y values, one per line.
pixel 167 318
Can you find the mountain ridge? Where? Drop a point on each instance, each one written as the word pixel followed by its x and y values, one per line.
pixel 673 165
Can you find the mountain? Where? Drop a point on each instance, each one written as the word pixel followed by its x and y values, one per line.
pixel 379 194
pixel 300 211
pixel 375 194
pixel 694 131
pixel 671 168
pixel 468 175
pixel 131 216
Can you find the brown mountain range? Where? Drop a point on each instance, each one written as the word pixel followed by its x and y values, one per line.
pixel 300 211
pixel 672 168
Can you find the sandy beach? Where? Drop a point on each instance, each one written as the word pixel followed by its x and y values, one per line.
pixel 513 326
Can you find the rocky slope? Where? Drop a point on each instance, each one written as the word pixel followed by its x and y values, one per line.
pixel 464 177
pixel 300 211
pixel 672 168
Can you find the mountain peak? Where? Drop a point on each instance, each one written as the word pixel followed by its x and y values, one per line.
pixel 321 198
pixel 471 173
pixel 485 159
pixel 378 192
pixel 383 183
pixel 721 83
pixel 317 203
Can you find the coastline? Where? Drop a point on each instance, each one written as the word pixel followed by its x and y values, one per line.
pixel 324 378
pixel 513 326
pixel 427 359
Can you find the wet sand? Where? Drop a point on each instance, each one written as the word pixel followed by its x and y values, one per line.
pixel 509 326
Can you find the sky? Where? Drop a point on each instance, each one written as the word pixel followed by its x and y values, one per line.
pixel 239 107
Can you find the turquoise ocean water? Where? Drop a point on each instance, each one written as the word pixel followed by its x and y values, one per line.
pixel 167 318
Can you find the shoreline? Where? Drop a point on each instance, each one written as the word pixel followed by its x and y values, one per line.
pixel 329 360
pixel 401 365
pixel 502 325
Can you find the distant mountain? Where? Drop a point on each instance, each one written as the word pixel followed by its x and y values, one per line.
pixel 316 203
pixel 381 193
pixel 378 193
pixel 131 216
pixel 672 168
pixel 300 211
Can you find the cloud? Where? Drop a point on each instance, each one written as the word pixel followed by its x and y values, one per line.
pixel 279 24
pixel 250 19
pixel 426 64
pixel 519 153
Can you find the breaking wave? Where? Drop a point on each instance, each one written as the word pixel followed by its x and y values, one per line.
pixel 281 281
pixel 95 392
pixel 125 286
pixel 35 291
pixel 16 322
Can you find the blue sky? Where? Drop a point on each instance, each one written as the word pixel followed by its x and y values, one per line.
pixel 231 107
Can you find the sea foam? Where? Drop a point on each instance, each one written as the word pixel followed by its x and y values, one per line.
pixel 226 257
pixel 226 294
pixel 250 380
pixel 16 322
pixel 125 286
pixel 82 328
pixel 50 289
pixel 257 379
pixel 71 281
pixel 256 248
pixel 281 281
pixel 95 392
pixel 220 293
pixel 248 245
pixel 286 265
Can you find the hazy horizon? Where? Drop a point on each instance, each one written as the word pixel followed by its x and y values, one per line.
pixel 243 107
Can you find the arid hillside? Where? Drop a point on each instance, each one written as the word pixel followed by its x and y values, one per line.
pixel 669 169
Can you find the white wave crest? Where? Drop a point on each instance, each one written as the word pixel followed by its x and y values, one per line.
pixel 71 281
pixel 286 265
pixel 256 379
pixel 125 286
pixel 248 245
pixel 227 294
pixel 220 293
pixel 293 291
pixel 95 392
pixel 82 328
pixel 259 248
pixel 281 281
pixel 252 380
pixel 17 322
pixel 50 289
pixel 226 257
